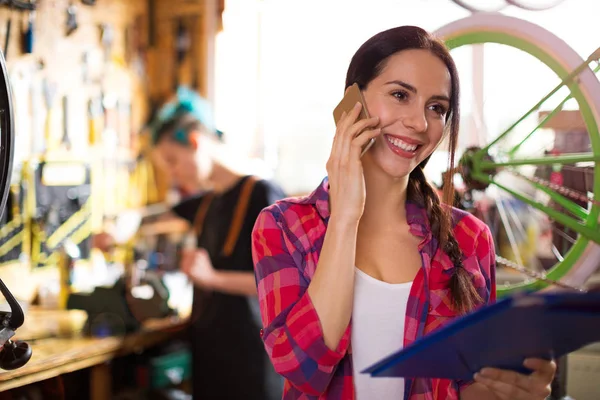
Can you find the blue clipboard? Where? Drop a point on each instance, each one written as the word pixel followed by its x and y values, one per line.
pixel 500 335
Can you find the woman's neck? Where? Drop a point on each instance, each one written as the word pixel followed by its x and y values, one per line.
pixel 385 198
pixel 222 178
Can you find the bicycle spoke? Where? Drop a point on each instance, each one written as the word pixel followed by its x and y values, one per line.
pixel 509 232
pixel 558 108
pixel 563 235
pixel 540 215
pixel 561 200
pixel 539 150
pixel 557 254
pixel 567 80
pixel 548 117
pixel 516 220
pixel 577 169
pixel 577 226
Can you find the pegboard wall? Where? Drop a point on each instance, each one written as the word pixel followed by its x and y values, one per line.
pixel 126 53
pixel 103 56
pixel 86 84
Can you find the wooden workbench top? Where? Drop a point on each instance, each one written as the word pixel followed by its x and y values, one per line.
pixel 55 356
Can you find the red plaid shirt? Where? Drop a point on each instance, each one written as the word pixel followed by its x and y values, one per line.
pixel 286 243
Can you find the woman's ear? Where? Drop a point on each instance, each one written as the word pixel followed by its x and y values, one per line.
pixel 194 138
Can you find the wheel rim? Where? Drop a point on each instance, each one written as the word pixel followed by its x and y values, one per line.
pixel 483 35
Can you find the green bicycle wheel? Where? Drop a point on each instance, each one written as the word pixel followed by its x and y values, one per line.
pixel 582 259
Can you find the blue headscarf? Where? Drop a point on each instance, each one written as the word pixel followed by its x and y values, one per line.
pixel 189 103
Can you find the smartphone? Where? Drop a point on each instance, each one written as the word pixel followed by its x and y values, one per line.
pixel 352 96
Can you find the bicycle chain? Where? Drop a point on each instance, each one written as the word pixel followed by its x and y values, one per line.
pixel 535 275
pixel 573 194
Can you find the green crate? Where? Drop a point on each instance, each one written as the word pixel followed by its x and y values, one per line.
pixel 170 369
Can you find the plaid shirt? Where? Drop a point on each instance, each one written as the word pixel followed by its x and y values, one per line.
pixel 286 243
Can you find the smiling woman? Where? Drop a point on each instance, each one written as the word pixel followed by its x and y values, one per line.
pixel 410 96
pixel 373 244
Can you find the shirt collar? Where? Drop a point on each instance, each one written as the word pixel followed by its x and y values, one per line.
pixel 416 215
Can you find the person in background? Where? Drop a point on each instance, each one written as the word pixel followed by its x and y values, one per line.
pixel 372 261
pixel 229 361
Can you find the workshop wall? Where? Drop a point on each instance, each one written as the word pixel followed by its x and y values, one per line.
pixel 82 93
pixel 101 53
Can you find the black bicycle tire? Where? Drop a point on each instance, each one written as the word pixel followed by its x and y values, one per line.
pixel 7 135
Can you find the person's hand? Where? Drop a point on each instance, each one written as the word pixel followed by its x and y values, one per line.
pixel 196 264
pixel 344 167
pixel 510 385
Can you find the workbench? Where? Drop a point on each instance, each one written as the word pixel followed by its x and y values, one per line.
pixel 56 356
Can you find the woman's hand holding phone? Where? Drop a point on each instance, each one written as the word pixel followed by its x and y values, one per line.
pixel 344 167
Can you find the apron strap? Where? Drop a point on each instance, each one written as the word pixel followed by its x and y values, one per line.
pixel 239 216
pixel 201 213
pixel 237 221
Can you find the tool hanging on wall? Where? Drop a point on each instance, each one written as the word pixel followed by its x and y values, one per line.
pixel 66 140
pixel 107 38
pixel 109 108
pixel 49 89
pixel 7 36
pixel 85 67
pixel 95 126
pixel 182 48
pixel 15 5
pixel 36 111
pixel 71 19
pixel 94 120
pixel 123 120
pixel 28 35
pixel 20 4
pixel 195 56
pixel 57 191
pixel 134 47
pixel 110 158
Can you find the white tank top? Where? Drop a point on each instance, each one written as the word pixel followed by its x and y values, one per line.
pixel 378 315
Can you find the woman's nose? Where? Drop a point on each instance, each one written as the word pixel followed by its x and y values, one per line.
pixel 416 120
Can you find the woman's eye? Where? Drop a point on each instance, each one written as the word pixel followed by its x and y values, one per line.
pixel 439 109
pixel 400 95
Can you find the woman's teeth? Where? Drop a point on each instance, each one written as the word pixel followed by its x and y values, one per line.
pixel 401 144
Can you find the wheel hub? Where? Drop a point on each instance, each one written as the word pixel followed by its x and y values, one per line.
pixel 469 164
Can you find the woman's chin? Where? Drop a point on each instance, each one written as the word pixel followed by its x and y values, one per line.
pixel 395 168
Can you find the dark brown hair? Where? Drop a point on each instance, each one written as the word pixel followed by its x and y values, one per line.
pixel 367 63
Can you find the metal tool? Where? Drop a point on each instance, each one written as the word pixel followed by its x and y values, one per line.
pixel 13 354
